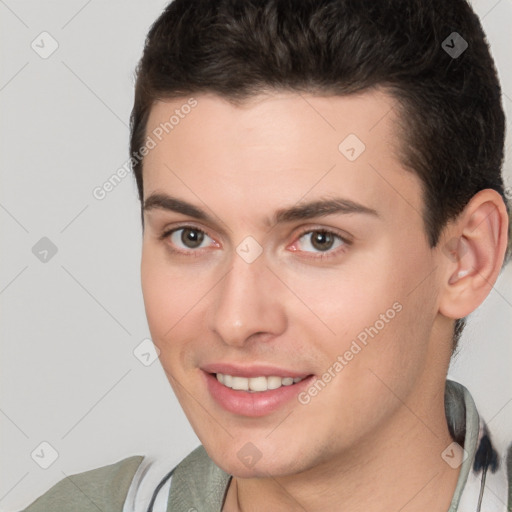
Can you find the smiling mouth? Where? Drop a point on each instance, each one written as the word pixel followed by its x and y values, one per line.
pixel 255 384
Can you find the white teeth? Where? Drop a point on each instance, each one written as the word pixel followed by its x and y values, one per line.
pixel 240 383
pixel 274 382
pixel 255 384
pixel 258 384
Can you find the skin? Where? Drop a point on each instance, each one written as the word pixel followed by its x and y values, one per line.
pixel 372 438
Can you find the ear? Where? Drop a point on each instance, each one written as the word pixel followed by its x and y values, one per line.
pixel 472 251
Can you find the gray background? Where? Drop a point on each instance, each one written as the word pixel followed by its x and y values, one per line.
pixel 69 325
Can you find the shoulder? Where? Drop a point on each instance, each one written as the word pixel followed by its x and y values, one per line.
pixel 172 485
pixel 197 480
pixel 102 488
pixel 198 467
pixel 486 463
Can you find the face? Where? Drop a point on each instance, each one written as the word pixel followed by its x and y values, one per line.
pixel 247 281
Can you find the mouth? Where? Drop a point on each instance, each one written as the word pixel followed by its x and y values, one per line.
pixel 255 384
pixel 254 396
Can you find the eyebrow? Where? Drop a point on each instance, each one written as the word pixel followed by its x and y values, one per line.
pixel 304 211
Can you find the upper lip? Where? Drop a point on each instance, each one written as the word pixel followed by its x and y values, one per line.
pixel 255 370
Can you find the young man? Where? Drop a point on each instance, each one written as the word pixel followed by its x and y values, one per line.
pixel 322 206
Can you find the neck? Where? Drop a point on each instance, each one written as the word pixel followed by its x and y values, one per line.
pixel 398 468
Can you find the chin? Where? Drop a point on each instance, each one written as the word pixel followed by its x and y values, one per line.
pixel 247 462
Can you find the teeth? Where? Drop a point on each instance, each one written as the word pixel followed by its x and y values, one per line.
pixel 240 383
pixel 274 382
pixel 255 384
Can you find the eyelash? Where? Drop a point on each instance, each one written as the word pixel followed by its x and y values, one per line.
pixel 331 253
pixel 319 256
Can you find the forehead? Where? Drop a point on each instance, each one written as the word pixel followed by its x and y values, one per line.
pixel 275 121
pixel 297 144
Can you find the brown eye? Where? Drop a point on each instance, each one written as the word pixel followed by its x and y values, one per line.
pixel 191 238
pixel 322 240
pixel 321 244
pixel 184 239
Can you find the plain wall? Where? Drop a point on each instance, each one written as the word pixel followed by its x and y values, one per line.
pixel 69 325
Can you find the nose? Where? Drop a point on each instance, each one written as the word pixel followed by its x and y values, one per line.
pixel 249 301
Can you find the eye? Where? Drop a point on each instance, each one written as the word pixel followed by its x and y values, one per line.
pixel 186 239
pixel 323 241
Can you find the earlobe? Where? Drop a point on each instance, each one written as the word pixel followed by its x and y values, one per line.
pixel 476 251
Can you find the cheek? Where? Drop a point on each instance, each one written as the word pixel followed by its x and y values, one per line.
pixel 375 311
pixel 166 296
pixel 342 302
pixel 174 298
pixel 154 288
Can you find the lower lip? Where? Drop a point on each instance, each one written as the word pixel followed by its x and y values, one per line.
pixel 253 404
